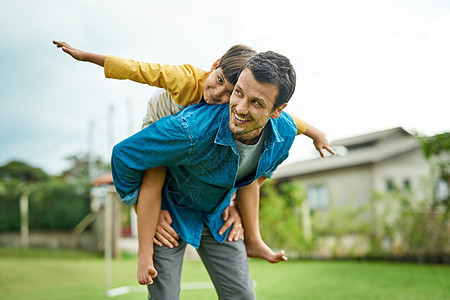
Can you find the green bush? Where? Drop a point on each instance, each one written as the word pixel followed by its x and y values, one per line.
pixel 57 205
pixel 10 192
pixel 53 204
pixel 281 218
pixel 407 226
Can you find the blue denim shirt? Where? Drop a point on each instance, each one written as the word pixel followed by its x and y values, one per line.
pixel 201 160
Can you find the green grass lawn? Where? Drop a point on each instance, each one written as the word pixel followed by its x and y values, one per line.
pixel 62 274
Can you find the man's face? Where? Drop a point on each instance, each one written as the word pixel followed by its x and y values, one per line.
pixel 251 106
pixel 217 89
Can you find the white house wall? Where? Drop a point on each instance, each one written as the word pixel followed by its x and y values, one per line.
pixel 411 166
pixel 351 186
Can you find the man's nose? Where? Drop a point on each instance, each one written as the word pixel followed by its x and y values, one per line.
pixel 241 107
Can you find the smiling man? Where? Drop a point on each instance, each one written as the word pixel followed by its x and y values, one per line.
pixel 210 151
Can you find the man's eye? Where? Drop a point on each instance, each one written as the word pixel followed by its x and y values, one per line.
pixel 255 102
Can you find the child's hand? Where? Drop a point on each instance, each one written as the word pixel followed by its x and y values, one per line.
pixel 320 142
pixel 75 53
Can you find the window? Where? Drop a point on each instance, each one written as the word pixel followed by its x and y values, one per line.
pixel 318 197
pixel 406 184
pixel 390 185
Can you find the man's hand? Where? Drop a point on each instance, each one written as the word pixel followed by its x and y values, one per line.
pixel 232 217
pixel 165 234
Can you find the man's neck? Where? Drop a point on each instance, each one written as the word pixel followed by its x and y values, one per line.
pixel 252 141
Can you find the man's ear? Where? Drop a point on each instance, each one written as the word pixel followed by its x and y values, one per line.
pixel 277 112
pixel 215 65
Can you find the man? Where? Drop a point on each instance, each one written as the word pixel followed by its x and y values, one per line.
pixel 209 151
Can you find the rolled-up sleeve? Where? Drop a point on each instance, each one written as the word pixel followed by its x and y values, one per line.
pixel 167 142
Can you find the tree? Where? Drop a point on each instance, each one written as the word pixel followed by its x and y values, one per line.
pixel 436 150
pixel 55 202
pixel 281 218
pixel 16 180
pixel 22 172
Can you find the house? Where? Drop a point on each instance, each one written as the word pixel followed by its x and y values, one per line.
pixel 340 190
pixel 378 161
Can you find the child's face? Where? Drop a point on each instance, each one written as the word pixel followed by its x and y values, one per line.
pixel 217 89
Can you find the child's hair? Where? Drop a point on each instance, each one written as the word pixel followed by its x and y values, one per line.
pixel 233 60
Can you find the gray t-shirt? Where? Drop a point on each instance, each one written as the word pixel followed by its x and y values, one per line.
pixel 249 156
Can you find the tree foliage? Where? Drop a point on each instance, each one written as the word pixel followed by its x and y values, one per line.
pixel 54 203
pixel 280 216
pixel 409 226
pixel 436 145
pixel 22 172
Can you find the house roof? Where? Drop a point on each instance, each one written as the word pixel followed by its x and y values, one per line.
pixel 371 137
pixel 381 146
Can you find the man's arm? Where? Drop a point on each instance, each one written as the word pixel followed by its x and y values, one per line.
pixel 80 55
pixel 164 143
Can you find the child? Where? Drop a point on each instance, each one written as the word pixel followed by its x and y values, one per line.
pixel 187 85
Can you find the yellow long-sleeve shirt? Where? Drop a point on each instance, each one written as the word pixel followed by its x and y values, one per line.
pixel 184 82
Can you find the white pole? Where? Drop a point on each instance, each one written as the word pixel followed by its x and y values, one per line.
pixel 110 130
pixel 90 152
pixel 24 225
pixel 108 239
pixel 307 230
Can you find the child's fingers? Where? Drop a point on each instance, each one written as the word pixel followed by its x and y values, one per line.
pixel 329 149
pixel 321 153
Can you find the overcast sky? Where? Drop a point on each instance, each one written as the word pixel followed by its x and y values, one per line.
pixel 362 65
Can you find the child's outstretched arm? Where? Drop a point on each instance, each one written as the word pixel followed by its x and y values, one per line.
pixel 318 137
pixel 319 140
pixel 80 55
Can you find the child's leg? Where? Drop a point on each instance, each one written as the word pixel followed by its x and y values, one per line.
pixel 247 200
pixel 148 209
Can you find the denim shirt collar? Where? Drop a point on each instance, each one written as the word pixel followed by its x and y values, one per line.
pixel 225 138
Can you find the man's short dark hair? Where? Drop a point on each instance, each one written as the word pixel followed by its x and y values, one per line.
pixel 273 68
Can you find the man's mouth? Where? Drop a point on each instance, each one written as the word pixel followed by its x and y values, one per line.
pixel 240 119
